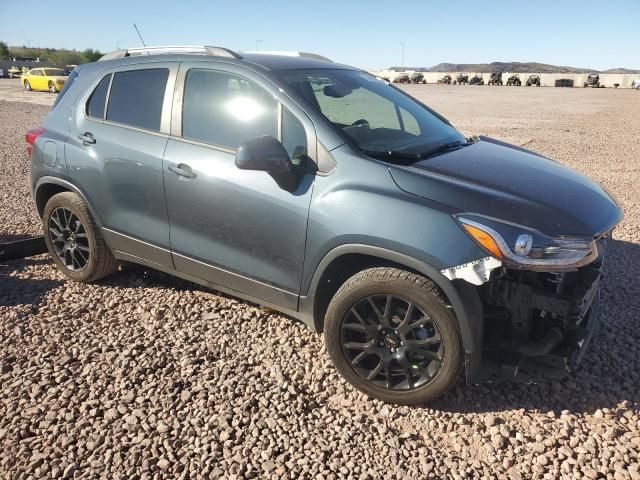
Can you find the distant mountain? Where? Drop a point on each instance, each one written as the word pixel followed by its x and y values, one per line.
pixel 515 67
pixel 620 70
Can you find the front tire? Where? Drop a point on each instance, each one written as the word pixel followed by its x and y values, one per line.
pixel 390 334
pixel 74 240
pixel 27 86
pixel 52 87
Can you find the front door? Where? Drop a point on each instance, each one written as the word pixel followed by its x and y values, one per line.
pixel 114 152
pixel 235 228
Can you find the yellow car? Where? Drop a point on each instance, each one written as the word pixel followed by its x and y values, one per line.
pixel 45 79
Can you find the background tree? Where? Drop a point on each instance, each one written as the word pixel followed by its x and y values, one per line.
pixel 91 55
pixel 4 51
pixel 60 56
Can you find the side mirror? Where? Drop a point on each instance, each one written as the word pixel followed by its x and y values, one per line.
pixel 267 154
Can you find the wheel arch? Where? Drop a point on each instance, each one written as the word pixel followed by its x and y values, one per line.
pixel 346 260
pixel 47 187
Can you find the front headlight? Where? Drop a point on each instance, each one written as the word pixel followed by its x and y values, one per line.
pixel 522 247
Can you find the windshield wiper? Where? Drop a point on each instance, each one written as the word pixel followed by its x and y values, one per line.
pixel 393 155
pixel 443 148
pixel 409 157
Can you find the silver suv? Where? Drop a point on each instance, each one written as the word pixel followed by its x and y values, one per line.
pixel 330 195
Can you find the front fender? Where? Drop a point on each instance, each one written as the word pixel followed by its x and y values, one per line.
pixel 462 297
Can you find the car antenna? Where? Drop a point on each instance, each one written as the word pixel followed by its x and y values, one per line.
pixel 138 31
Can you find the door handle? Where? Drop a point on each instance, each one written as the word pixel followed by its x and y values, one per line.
pixel 87 139
pixel 182 170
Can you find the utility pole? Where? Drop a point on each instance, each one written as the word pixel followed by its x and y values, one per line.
pixel 118 42
pixel 402 65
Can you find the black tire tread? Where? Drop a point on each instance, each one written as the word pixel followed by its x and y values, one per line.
pixel 105 263
pixel 391 274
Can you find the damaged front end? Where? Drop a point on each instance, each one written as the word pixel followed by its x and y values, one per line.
pixel 538 324
pixel 539 296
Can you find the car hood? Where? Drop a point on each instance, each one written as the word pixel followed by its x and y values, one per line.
pixel 503 181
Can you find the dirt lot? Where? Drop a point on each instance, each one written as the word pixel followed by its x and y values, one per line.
pixel 11 89
pixel 146 376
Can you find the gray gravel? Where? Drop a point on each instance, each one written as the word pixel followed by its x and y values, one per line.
pixel 143 375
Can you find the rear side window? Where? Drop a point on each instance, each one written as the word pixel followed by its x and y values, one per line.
pixel 67 85
pixel 136 98
pixel 98 100
pixel 225 109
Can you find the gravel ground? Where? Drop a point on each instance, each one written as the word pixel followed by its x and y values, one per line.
pixel 143 375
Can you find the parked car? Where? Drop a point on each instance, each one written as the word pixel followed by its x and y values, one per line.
pixel 461 79
pixel 533 81
pixel 495 79
pixel 417 77
pixel 514 80
pixel 420 253
pixel 593 81
pixel 45 79
pixel 476 80
pixel 636 84
pixel 15 72
pixel 402 78
pixel 446 80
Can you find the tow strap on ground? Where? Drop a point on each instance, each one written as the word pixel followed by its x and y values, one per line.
pixel 22 248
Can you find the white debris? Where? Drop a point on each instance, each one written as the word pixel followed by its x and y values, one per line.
pixel 476 272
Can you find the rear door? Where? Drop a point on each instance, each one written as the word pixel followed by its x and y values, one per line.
pixel 114 154
pixel 37 79
pixel 236 228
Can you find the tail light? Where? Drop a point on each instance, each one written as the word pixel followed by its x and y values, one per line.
pixel 31 136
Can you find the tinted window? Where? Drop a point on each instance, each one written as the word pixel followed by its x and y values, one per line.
pixel 136 98
pixel 294 138
pixel 225 109
pixel 67 85
pixel 374 115
pixel 96 103
pixel 55 72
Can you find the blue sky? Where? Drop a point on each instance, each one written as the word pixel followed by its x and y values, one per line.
pixel 590 34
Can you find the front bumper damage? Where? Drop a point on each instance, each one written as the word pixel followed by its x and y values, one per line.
pixel 536 324
pixel 539 324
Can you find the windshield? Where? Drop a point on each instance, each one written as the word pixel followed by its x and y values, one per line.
pixel 55 72
pixel 375 116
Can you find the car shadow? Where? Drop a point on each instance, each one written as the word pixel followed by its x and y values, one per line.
pixel 17 289
pixel 609 374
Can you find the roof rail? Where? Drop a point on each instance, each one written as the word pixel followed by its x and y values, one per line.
pixel 166 49
pixel 313 56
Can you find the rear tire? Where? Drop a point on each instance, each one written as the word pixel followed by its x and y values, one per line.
pixel 74 240
pixel 403 348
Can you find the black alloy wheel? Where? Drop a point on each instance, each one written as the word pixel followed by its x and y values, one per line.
pixel 391 342
pixel 391 335
pixel 68 236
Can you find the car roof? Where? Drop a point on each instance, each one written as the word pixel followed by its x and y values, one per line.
pixel 270 61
